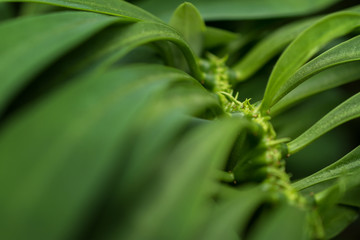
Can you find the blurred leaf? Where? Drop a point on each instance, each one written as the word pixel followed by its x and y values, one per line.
pixel 345 52
pixel 345 165
pixel 30 9
pixel 269 47
pixel 43 193
pixel 337 219
pixel 6 11
pixel 216 36
pixel 303 48
pixel 346 111
pixel 284 223
pixel 327 79
pixel 21 60
pixel 185 183
pixel 110 7
pixel 351 197
pixel 187 20
pixel 117 41
pixel 237 10
pixel 231 217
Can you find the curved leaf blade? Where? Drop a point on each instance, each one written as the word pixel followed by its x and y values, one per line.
pixel 186 182
pixel 304 47
pixel 346 111
pixel 347 51
pixel 187 20
pixel 42 191
pixel 327 79
pixel 111 7
pixel 231 216
pixel 59 32
pixel 269 47
pixel 236 10
pixel 335 220
pixel 122 39
pixel 346 165
pixel 272 225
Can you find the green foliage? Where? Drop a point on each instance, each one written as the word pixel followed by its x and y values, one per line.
pixel 117 125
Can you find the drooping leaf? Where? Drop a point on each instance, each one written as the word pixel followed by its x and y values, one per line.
pixel 117 41
pixel 327 79
pixel 283 223
pixel 345 52
pixel 304 47
pixel 214 37
pixel 345 165
pixel 231 217
pixel 269 47
pixel 47 38
pixel 245 9
pixel 42 191
pixel 187 20
pixel 337 219
pixel 6 11
pixel 30 9
pixel 351 197
pixel 346 111
pixel 110 7
pixel 186 183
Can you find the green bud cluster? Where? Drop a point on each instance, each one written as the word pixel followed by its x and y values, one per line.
pixel 263 163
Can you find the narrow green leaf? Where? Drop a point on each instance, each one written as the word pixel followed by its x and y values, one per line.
pixel 345 165
pixel 284 223
pixel 165 120
pixel 269 47
pixel 65 134
pixel 327 79
pixel 335 220
pixel 111 7
pixel 6 11
pixel 21 60
pixel 232 216
pixel 236 10
pixel 216 37
pixel 351 197
pixel 304 47
pixel 346 111
pixel 345 52
pixel 30 9
pixel 117 41
pixel 186 181
pixel 187 20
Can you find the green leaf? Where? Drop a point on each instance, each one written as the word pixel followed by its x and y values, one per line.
pixel 42 191
pixel 114 43
pixel 304 47
pixel 110 7
pixel 236 10
pixel 30 9
pixel 269 47
pixel 216 37
pixel 6 11
pixel 283 223
pixel 351 197
pixel 345 165
pixel 21 60
pixel 187 20
pixel 346 111
pixel 185 183
pixel 348 185
pixel 336 219
pixel 327 79
pixel 232 216
pixel 345 52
